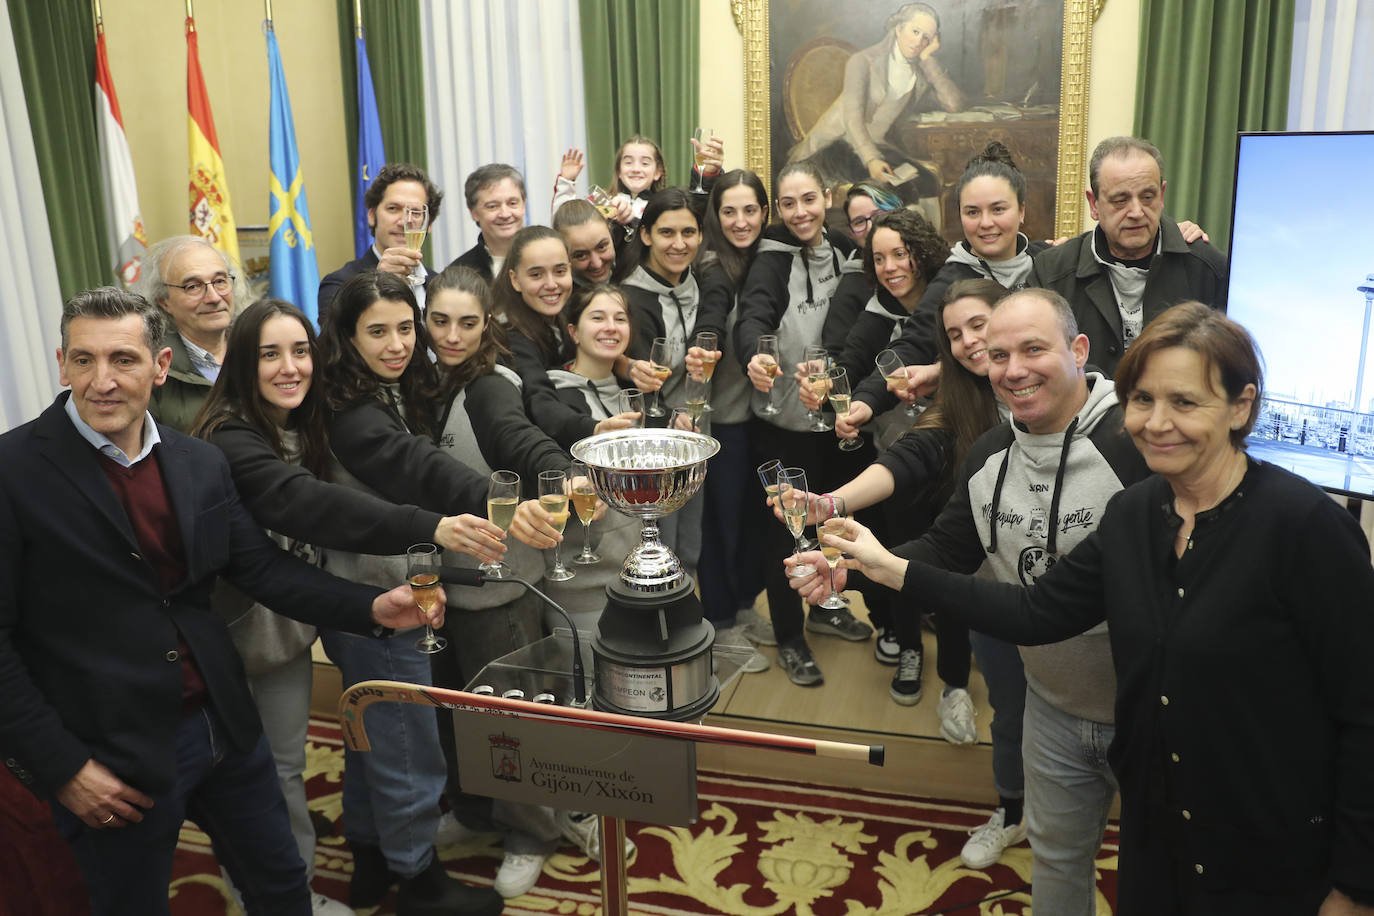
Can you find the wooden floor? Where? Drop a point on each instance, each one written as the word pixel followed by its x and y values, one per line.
pixel 853 705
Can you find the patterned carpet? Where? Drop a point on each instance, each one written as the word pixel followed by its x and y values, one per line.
pixel 760 848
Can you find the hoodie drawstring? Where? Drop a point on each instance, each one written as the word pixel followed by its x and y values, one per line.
pixel 997 498
pixel 1058 487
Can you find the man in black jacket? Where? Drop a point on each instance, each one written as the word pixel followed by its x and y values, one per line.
pixel 396 187
pixel 1135 264
pixel 122 700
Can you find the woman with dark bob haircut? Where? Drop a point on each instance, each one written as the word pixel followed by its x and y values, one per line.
pixel 1214 575
pixel 385 396
pixel 266 413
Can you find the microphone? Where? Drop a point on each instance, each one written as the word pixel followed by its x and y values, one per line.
pixel 457 575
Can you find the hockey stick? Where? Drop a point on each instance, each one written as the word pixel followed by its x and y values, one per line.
pixel 359 697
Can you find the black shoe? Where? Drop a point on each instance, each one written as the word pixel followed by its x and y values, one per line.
pixel 794 657
pixel 434 892
pixel 906 680
pixel 372 877
pixel 837 622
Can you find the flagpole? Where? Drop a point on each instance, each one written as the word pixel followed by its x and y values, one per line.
pixel 358 18
pixel 268 4
pixel 99 19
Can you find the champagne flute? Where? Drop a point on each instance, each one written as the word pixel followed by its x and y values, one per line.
pixel 768 356
pixel 697 391
pixel 503 495
pixel 553 499
pixel 817 363
pixel 839 399
pixel 832 507
pixel 415 221
pixel 894 370
pixel 632 401
pixel 683 420
pixel 602 200
pixel 422 572
pixel 661 362
pixel 701 135
pixel 709 344
pixel 584 501
pixel 793 494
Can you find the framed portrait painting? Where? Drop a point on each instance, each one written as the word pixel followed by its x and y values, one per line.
pixel 907 93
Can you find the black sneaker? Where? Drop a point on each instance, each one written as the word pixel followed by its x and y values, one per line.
pixel 837 622
pixel 795 660
pixel 906 680
pixel 886 648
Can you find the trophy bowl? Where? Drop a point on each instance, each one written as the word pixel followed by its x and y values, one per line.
pixel 647 474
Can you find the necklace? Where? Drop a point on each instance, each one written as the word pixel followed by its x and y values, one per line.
pixel 1185 530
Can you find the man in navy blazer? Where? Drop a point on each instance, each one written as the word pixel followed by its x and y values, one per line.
pixel 122 699
pixel 396 187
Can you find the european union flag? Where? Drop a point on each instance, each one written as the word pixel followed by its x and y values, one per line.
pixel 295 274
pixel 371 157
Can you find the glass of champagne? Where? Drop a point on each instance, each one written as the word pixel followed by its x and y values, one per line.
pixel 839 399
pixel 817 363
pixel 503 495
pixel 894 370
pixel 701 135
pixel 584 501
pixel 553 499
pixel 632 401
pixel 422 572
pixel 415 220
pixel 603 201
pixel 831 507
pixel 709 344
pixel 661 362
pixel 793 494
pixel 768 357
pixel 683 420
pixel 697 391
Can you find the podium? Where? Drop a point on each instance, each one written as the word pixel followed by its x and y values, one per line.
pixel 560 755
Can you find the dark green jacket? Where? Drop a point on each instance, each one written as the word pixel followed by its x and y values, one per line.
pixel 177 402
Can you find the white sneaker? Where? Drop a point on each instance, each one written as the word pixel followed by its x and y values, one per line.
pixel 985 843
pixel 518 873
pixel 321 905
pixel 758 629
pixel 956 717
pixel 451 831
pixel 735 636
pixel 581 830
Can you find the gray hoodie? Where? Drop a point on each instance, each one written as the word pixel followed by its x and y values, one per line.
pixel 1025 501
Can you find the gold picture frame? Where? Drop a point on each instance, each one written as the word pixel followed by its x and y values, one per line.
pixel 751 18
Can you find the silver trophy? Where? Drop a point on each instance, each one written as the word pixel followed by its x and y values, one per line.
pixel 647 474
pixel 652 646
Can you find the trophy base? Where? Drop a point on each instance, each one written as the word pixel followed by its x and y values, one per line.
pixel 652 654
pixel 652 567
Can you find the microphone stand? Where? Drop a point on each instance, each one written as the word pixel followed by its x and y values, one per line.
pixel 455 575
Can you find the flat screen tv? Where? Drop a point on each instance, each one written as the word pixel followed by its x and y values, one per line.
pixel 1302 282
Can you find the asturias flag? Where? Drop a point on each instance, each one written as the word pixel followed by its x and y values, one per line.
pixel 371 158
pixel 123 223
pixel 211 216
pixel 295 274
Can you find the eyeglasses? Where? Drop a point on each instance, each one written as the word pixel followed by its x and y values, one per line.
pixel 196 288
pixel 860 223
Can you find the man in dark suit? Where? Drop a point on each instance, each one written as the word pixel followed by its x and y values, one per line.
pixel 1135 264
pixel 122 699
pixel 397 186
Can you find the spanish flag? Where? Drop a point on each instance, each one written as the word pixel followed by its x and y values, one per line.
pixel 211 216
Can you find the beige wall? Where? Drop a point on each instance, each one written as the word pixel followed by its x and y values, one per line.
pixel 1111 93
pixel 147 48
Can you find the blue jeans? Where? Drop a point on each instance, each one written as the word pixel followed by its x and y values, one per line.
pixel 1069 792
pixel 233 796
pixel 1000 663
pixel 391 793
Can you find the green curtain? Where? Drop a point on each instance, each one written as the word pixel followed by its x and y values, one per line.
pixel 55 42
pixel 391 29
pixel 1210 68
pixel 639 64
